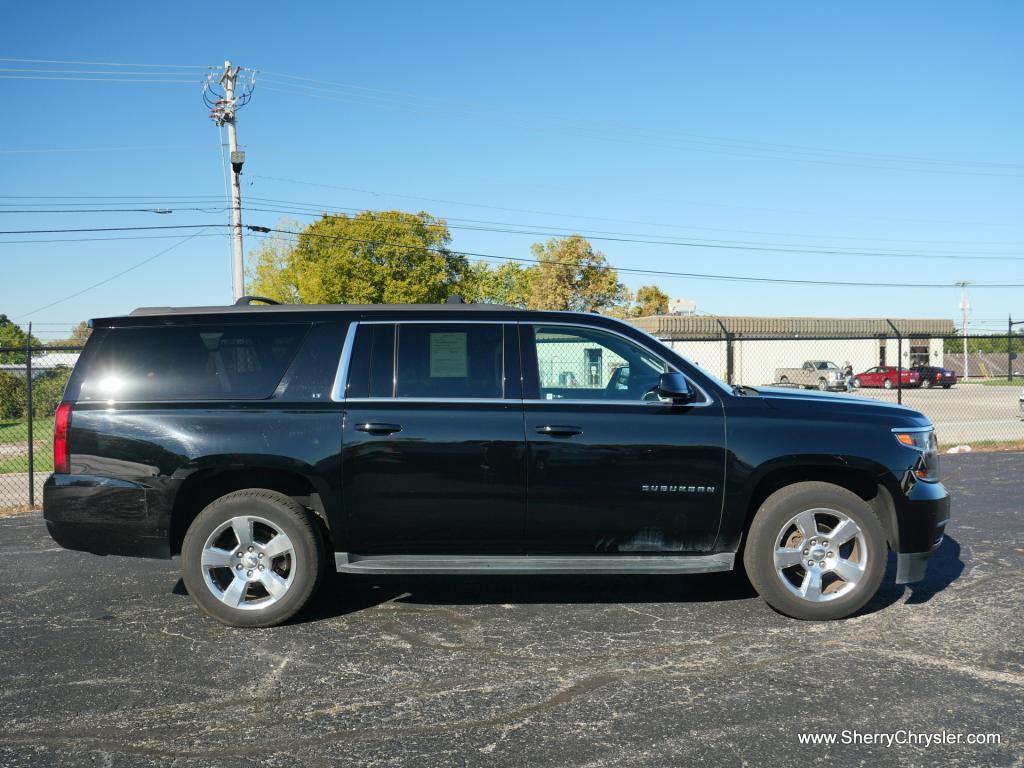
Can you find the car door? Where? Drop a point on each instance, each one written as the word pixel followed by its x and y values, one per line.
pixel 612 467
pixel 433 452
pixel 871 377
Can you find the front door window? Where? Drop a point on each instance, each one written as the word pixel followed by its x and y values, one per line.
pixel 589 364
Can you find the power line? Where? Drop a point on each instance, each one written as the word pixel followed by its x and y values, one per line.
pixel 106 63
pixel 329 86
pixel 48 150
pixel 96 72
pixel 318 209
pixel 634 238
pixel 96 79
pixel 105 197
pixel 112 210
pixel 732 147
pixel 101 239
pixel 653 272
pixel 114 276
pixel 105 229
pixel 631 238
pixel 422 198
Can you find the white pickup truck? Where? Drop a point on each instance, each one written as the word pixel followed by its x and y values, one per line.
pixel 814 374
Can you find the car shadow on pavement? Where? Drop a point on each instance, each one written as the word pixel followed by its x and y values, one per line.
pixel 944 567
pixel 347 594
pixel 344 594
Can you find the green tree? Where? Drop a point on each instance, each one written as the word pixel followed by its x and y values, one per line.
pixel 993 344
pixel 386 257
pixel 571 275
pixel 649 300
pixel 12 396
pixel 48 389
pixel 11 335
pixel 269 272
pixel 78 336
pixel 507 284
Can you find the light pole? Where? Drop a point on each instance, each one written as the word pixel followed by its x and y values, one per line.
pixel 1010 355
pixel 964 309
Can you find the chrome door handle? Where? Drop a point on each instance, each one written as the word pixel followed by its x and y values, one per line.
pixel 378 428
pixel 559 430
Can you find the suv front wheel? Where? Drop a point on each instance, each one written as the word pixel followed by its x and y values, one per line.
pixel 815 551
pixel 252 558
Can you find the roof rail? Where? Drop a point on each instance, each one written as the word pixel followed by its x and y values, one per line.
pixel 247 300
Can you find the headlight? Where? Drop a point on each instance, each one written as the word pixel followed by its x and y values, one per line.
pixel 925 442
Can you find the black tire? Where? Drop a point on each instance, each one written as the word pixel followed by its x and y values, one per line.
pixel 304 565
pixel 768 524
pixel 784 380
pixel 946 386
pixel 926 383
pixel 822 385
pixel 887 384
pixel 856 383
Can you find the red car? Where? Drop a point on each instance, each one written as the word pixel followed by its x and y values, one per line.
pixel 885 376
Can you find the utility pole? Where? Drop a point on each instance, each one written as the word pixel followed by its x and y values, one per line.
pixel 224 112
pixel 1010 354
pixel 965 307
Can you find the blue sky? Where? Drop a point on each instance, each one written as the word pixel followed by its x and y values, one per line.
pixel 871 127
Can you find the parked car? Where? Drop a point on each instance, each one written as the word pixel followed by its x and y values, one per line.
pixel 933 376
pixel 813 374
pixel 268 444
pixel 886 376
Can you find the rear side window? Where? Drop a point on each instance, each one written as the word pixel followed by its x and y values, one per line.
pixel 450 360
pixel 192 362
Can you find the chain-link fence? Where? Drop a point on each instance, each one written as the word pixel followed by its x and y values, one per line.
pixel 32 382
pixel 978 403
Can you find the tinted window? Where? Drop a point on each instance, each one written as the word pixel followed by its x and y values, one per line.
pixel 193 362
pixel 450 360
pixel 371 367
pixel 588 364
pixel 312 373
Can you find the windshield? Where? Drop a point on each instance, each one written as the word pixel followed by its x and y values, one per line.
pixel 822 365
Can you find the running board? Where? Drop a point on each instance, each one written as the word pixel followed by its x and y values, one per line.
pixel 347 562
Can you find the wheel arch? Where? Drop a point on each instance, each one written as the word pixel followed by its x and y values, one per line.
pixel 864 479
pixel 203 486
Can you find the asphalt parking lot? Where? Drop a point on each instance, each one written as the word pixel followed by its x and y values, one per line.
pixel 966 413
pixel 105 662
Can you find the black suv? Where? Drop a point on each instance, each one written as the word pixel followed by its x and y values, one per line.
pixel 265 444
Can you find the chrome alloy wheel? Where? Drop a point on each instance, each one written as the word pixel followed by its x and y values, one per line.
pixel 248 563
pixel 820 555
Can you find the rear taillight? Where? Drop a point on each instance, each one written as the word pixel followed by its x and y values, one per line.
pixel 61 429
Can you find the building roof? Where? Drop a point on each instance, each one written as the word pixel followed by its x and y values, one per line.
pixel 715 326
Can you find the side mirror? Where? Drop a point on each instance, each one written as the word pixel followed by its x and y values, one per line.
pixel 674 386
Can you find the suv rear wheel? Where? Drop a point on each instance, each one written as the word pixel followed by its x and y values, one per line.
pixel 815 551
pixel 252 558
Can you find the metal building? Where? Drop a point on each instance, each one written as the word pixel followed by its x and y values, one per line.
pixel 748 350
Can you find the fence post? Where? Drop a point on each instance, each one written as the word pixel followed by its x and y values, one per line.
pixel 899 362
pixel 28 404
pixel 729 365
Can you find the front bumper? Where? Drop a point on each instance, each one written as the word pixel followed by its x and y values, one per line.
pixel 922 516
pixel 102 515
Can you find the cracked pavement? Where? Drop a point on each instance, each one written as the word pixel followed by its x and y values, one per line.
pixel 105 662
